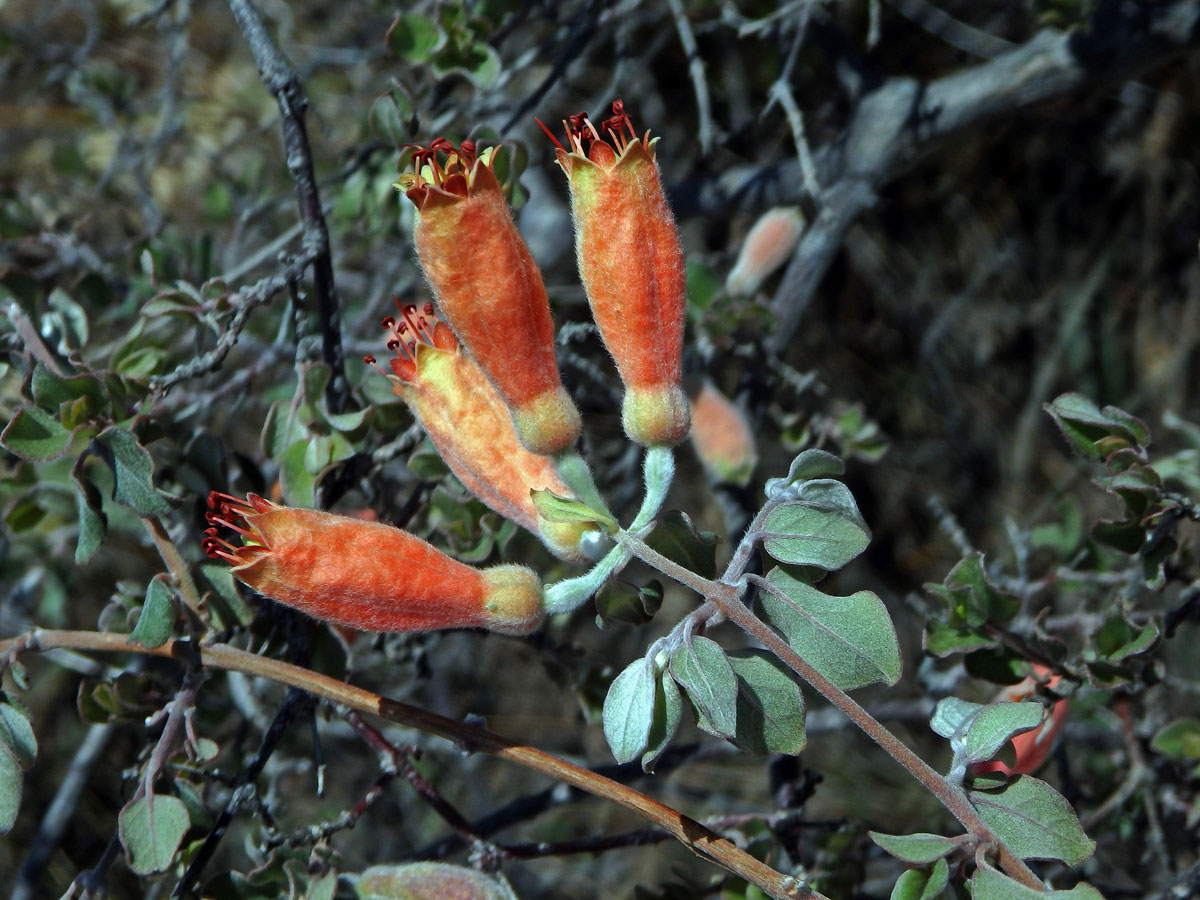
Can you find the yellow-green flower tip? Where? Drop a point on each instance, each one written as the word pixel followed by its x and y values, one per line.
pixel 548 424
pixel 656 415
pixel 513 599
pixel 563 538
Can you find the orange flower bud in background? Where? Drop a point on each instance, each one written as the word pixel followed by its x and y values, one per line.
pixel 365 575
pixel 490 290
pixel 721 437
pixel 631 265
pixel 1031 748
pixel 768 246
pixel 470 427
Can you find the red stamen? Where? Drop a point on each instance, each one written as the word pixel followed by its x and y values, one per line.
pixel 388 323
pixel 549 134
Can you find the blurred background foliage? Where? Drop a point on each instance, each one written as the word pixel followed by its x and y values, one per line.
pixel 143 183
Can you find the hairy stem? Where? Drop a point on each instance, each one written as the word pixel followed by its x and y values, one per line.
pixel 727 599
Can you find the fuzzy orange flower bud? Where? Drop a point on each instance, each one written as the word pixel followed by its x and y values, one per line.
pixel 490 290
pixel 469 425
pixel 721 437
pixel 631 264
pixel 1030 748
pixel 365 575
pixel 767 247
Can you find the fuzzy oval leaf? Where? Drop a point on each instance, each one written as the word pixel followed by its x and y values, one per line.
pixel 151 828
pixel 629 711
pixel 993 726
pixel 988 884
pixel 297 483
pixel 917 885
pixel 429 881
pixel 811 463
pixel 157 617
pixel 1034 820
pixel 668 712
pixel 11 782
pixel 93 523
pixel 133 472
pixel 35 435
pixel 770 709
pixel 16 733
pixel 849 640
pixel 822 527
pixel 919 849
pixel 702 669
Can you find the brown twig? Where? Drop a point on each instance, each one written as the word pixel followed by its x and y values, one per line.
pixel 699 839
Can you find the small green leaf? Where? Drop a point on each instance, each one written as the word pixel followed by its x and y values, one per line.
pixel 701 668
pixel 919 849
pixel 988 884
pixel 629 711
pixel 1179 740
pixel 1034 820
pixel 133 472
pixel 849 640
pixel 35 435
pixel 1117 638
pixel 678 539
pixel 993 726
pixel 770 710
pixel 151 828
pixel 281 429
pixel 414 37
pixel 916 885
pixel 157 617
pixel 941 640
pixel 822 527
pixel 11 782
pixel 809 464
pixel 668 712
pixel 970 597
pixel 233 609
pixel 93 523
pixel 553 508
pixel 16 733
pixel 298 484
pixel 1094 432
pixel 620 601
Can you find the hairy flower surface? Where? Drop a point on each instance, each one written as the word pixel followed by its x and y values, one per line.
pixel 631 264
pixel 722 437
pixel 489 289
pixel 365 575
pixel 469 425
pixel 768 246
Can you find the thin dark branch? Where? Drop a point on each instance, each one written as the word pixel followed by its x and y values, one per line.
pixel 281 80
pixel 243 303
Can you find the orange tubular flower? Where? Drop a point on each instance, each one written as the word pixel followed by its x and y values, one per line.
pixel 722 437
pixel 631 264
pixel 366 575
pixel 490 290
pixel 469 425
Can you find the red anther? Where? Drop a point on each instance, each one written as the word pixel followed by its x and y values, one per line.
pixel 410 308
pixel 429 309
pixel 388 323
pixel 369 359
pixel 467 148
pixel 618 107
pixel 401 328
pixel 393 345
pixel 441 143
